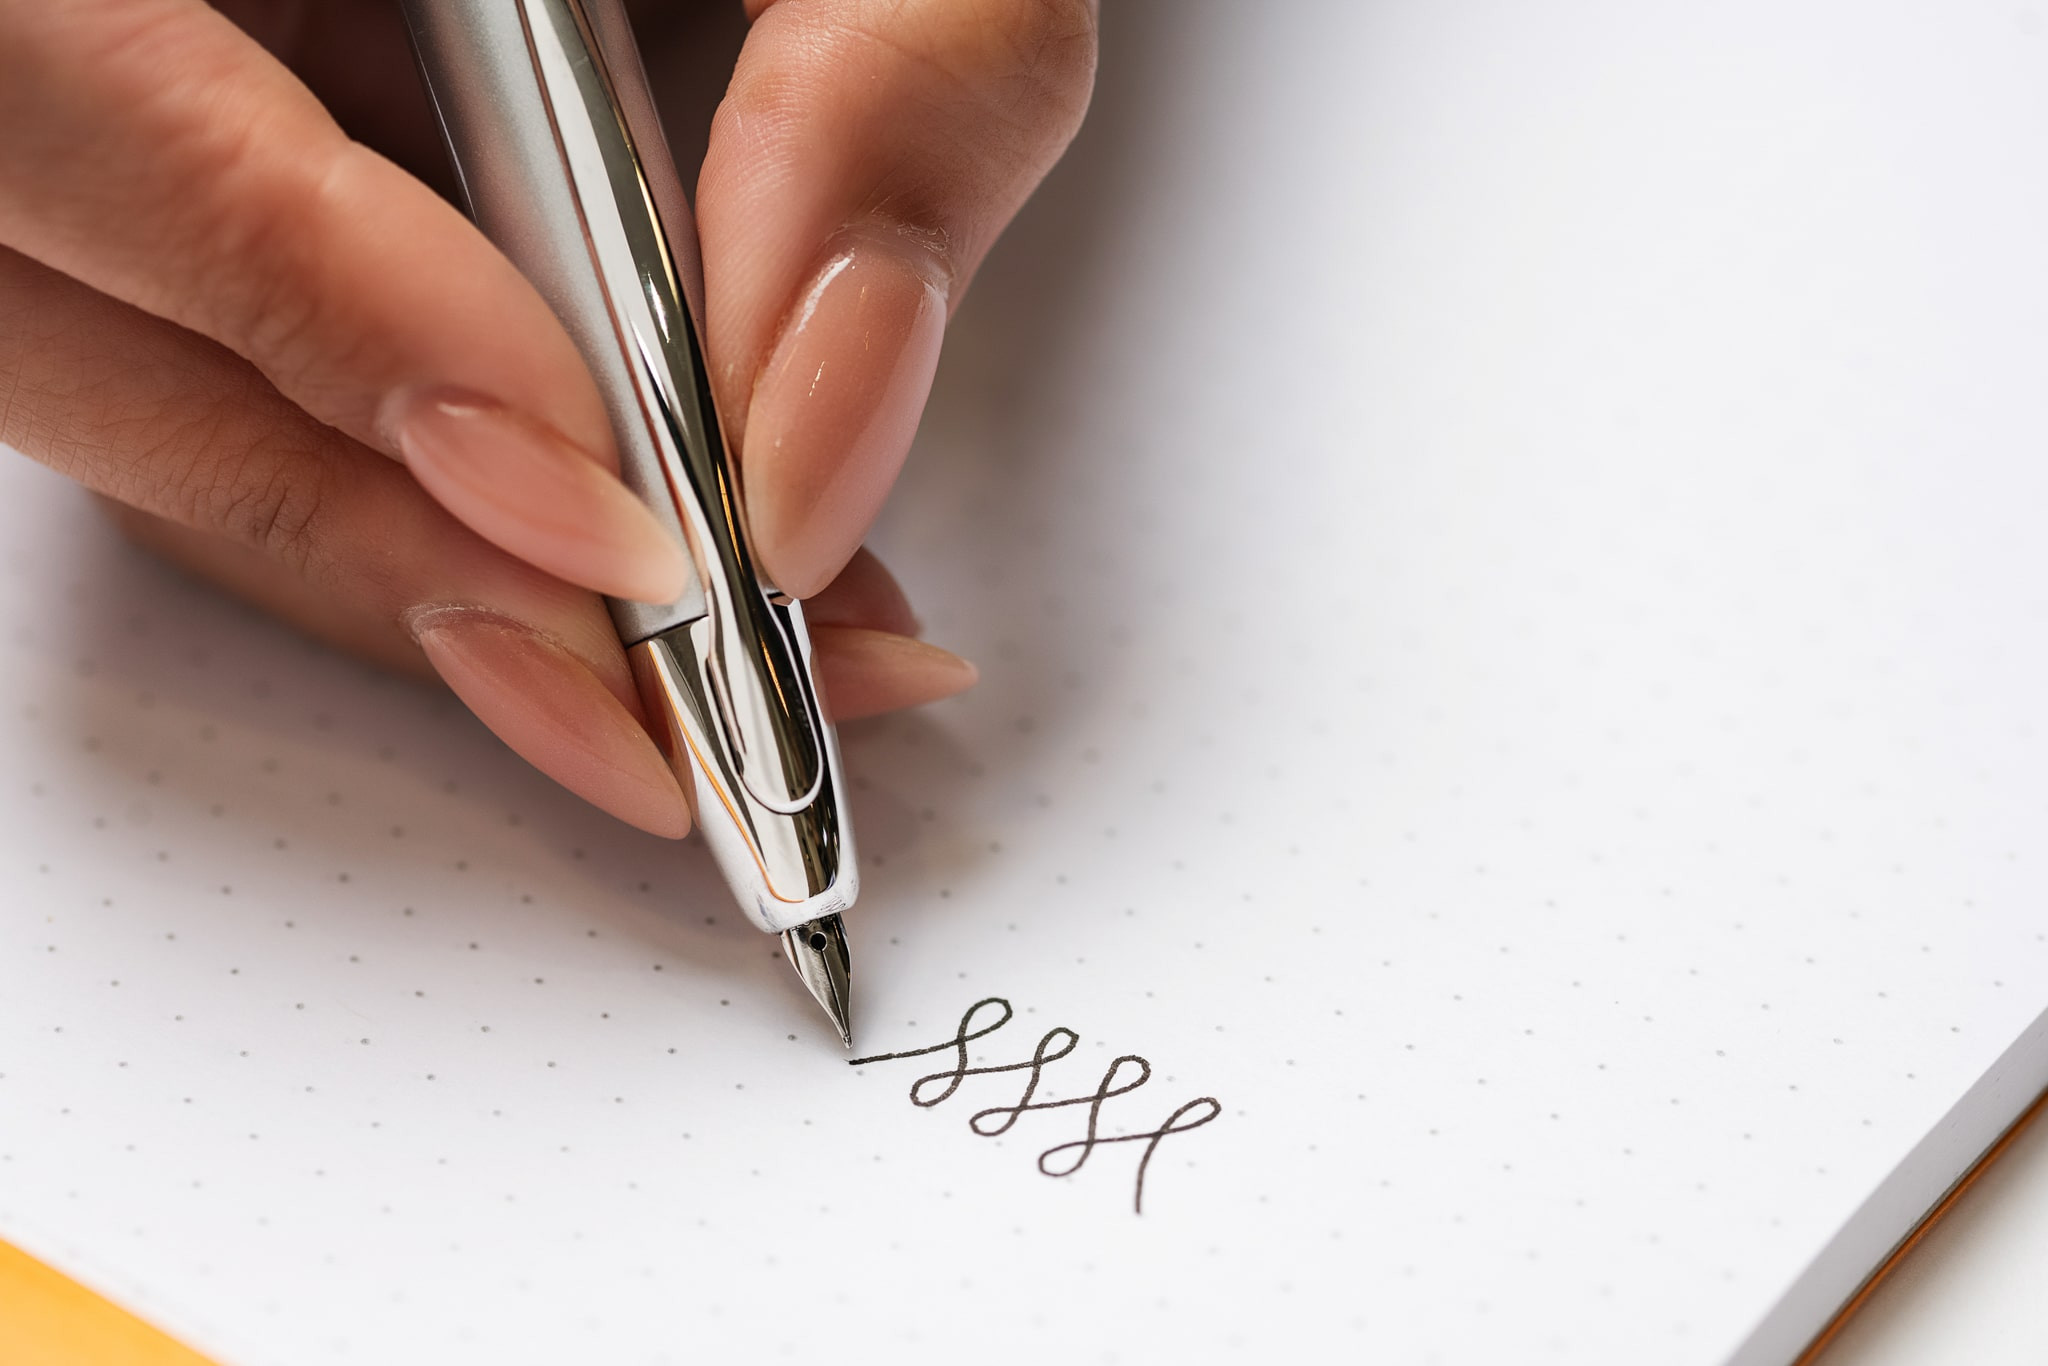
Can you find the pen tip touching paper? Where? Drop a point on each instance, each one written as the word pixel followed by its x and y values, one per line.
pixel 817 950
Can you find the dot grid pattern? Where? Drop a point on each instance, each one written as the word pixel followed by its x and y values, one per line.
pixel 1512 641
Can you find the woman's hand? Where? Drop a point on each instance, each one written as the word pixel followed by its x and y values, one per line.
pixel 299 371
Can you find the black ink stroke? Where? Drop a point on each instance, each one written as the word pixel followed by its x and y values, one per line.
pixel 1040 1056
pixel 1056 1043
pixel 961 1038
pixel 1152 1139
pixel 1103 1091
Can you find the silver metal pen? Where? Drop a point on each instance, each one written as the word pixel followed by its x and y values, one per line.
pixel 564 165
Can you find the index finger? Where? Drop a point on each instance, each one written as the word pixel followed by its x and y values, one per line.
pixel 152 150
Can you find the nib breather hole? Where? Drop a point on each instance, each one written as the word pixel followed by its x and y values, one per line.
pixel 818 941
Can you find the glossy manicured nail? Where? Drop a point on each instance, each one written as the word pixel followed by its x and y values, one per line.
pixel 555 713
pixel 863 672
pixel 835 407
pixel 527 490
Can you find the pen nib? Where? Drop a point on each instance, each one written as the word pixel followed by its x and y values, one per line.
pixel 817 950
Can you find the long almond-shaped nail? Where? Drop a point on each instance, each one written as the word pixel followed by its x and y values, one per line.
pixel 555 713
pixel 863 672
pixel 835 407
pixel 528 490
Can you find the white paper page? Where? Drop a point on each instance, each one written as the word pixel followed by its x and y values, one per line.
pixel 1506 548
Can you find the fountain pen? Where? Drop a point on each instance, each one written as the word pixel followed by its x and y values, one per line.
pixel 564 165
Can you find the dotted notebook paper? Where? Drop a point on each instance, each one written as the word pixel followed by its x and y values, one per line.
pixel 1506 549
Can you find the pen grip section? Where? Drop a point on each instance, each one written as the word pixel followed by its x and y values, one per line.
pixel 787 866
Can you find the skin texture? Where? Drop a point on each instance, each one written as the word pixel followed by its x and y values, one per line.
pixel 235 303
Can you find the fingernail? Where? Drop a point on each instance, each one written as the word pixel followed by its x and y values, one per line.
pixel 835 407
pixel 528 490
pixel 863 672
pixel 554 713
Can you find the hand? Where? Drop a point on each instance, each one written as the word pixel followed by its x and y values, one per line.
pixel 298 371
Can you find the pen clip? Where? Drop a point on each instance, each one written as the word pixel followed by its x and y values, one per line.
pixel 771 727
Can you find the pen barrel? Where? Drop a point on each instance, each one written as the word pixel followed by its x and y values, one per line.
pixel 481 74
pixel 563 164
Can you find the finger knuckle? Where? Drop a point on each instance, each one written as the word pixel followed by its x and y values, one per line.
pixel 258 497
pixel 275 515
pixel 1054 51
pixel 269 309
pixel 1033 60
pixel 256 236
pixel 1010 78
